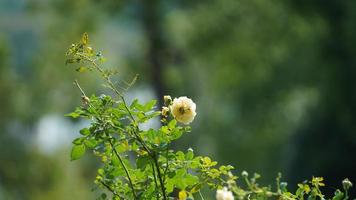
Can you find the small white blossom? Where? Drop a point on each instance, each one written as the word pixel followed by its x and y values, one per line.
pixel 244 174
pixel 167 100
pixel 183 109
pixel 346 183
pixel 224 194
pixel 165 111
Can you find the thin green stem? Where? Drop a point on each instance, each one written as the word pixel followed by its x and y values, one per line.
pixel 201 196
pixel 155 179
pixel 125 169
pixel 109 188
pixel 113 87
pixel 249 185
pixel 142 142
pixel 166 169
pixel 111 84
pixel 155 159
pixel 346 195
pixel 152 154
pixel 80 88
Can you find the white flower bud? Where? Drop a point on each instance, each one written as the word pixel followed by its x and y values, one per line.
pixel 165 111
pixel 224 194
pixel 183 110
pixel 346 183
pixel 244 174
pixel 85 100
pixel 167 100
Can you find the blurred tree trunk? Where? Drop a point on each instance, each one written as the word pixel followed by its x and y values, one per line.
pixel 152 20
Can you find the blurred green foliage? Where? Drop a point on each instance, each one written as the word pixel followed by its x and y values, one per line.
pixel 273 80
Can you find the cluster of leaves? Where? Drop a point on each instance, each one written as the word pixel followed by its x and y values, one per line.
pixel 139 164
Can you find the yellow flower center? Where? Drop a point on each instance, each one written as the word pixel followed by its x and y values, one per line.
pixel 181 110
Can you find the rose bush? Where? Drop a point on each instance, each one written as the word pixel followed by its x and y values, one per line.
pixel 139 164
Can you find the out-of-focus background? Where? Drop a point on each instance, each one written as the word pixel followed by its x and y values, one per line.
pixel 274 82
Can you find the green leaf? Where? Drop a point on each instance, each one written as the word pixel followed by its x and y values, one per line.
pixel 165 129
pixel 153 114
pixel 149 105
pixel 91 143
pixel 78 141
pixel 170 185
pixel 134 103
pixel 191 180
pixel 179 179
pixel 85 131
pixel 81 69
pixel 142 162
pixel 189 155
pixel 180 156
pixel 118 171
pixel 172 124
pixel 195 163
pixel 77 151
pixel 77 113
pixel 123 146
pixel 72 115
pixel 176 133
pixel 207 160
pixel 101 171
pixel 121 107
pixel 338 195
pixel 142 117
pixel 196 188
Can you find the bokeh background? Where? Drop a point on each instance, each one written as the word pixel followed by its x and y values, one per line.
pixel 274 82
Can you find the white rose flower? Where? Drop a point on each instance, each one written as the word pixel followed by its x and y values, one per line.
pixel 224 194
pixel 183 109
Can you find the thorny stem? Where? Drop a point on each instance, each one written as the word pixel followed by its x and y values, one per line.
pixel 111 84
pixel 109 188
pixel 116 153
pixel 155 179
pixel 125 168
pixel 142 143
pixel 153 155
pixel 155 159
pixel 112 87
pixel 83 94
